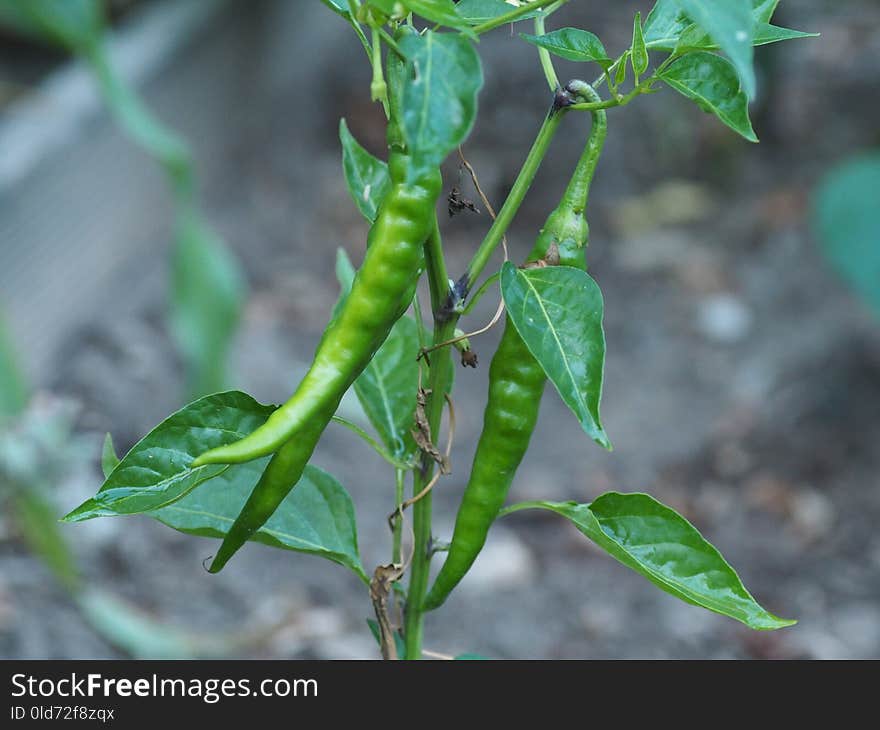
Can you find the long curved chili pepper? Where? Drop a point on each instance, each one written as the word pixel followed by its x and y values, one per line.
pixel 516 379
pixel 382 290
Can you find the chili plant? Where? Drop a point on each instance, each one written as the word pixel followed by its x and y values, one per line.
pixel 228 467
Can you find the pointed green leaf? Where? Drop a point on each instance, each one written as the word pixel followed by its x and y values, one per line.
pixel 847 224
pixel 316 518
pixel 156 471
pixel 366 176
pixel 480 11
pixel 639 50
pixel 731 25
pixel 622 65
pixel 387 387
pixel 762 10
pixel 667 23
pixel 664 24
pixel 439 101
pixel 572 44
pixel 337 7
pixel 557 311
pixel 766 34
pixel 712 83
pixel 208 293
pixel 109 459
pixel 661 545
pixel 695 38
pixel 345 273
pixel 441 12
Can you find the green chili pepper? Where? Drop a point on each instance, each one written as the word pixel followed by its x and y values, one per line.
pixel 381 292
pixel 516 379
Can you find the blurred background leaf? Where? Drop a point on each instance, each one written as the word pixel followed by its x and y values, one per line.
pixel 847 223
pixel 13 386
pixel 207 296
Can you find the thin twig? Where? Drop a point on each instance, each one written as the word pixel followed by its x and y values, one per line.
pixel 381 587
pixel 437 655
pixel 440 472
pixel 467 335
pixel 473 173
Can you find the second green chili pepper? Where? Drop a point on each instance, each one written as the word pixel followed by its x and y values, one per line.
pixel 516 379
pixel 382 290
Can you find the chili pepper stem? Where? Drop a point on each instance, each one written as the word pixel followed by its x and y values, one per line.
pixel 397 529
pixel 439 380
pixel 516 196
pixel 544 55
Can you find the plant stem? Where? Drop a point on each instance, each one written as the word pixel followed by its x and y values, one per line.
pixel 378 87
pixel 478 294
pixel 439 382
pixel 641 88
pixel 519 506
pixel 544 55
pixel 397 530
pixel 516 196
pixel 514 15
pixel 435 265
pixel 143 127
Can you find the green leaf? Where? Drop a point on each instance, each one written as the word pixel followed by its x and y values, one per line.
pixel 762 10
pixel 639 50
pixel 345 273
pixel 847 225
pixel 731 25
pixel 441 12
pixel 337 7
pixel 712 83
pixel 109 459
pixel 439 96
pixel 766 34
pixel 366 176
pixel 387 387
pixel 557 311
pixel 13 387
pixel 156 471
pixel 695 38
pixel 666 23
pixel 480 11
pixel 572 44
pixel 661 545
pixel 620 73
pixel 316 518
pixel 75 24
pixel 207 296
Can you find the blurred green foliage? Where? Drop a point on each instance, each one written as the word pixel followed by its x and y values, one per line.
pixel 846 215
